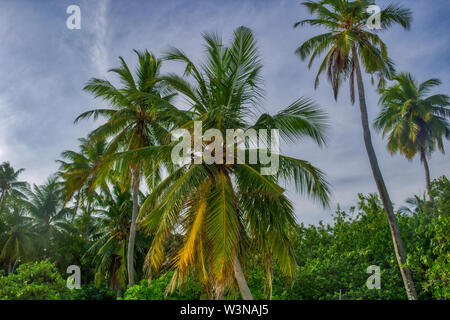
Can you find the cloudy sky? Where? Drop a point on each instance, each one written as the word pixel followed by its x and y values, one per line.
pixel 44 65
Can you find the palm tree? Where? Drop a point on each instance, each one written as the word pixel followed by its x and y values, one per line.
pixel 82 174
pixel 81 170
pixel 226 211
pixel 17 239
pixel 414 122
pixel 46 208
pixel 347 45
pixel 9 184
pixel 139 115
pixel 111 237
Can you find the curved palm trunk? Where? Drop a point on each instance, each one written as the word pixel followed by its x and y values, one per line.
pixel 240 278
pixel 387 204
pixel 131 241
pixel 423 157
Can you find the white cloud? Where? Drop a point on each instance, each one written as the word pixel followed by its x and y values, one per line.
pixel 100 40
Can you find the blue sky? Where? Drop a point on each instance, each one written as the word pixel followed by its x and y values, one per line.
pixel 44 65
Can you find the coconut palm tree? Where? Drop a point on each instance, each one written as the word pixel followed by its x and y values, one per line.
pixel 18 238
pixel 349 47
pixel 139 116
pixel 83 173
pixel 414 122
pixel 9 184
pixel 81 170
pixel 111 237
pixel 112 229
pixel 226 211
pixel 46 208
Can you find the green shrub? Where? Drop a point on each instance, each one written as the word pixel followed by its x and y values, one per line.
pixel 156 291
pixel 34 281
pixel 93 292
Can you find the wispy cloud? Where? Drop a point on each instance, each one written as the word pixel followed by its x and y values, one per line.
pixel 100 39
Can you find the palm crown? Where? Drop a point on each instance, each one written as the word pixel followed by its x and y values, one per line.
pixel 10 184
pixel 347 37
pixel 413 122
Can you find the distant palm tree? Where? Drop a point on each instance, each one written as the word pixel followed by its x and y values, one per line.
pixel 83 173
pixel 80 170
pixel 414 122
pixel 111 238
pixel 347 45
pixel 17 237
pixel 226 211
pixel 139 116
pixel 9 184
pixel 46 208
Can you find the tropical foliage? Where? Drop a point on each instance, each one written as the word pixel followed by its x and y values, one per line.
pixel 147 219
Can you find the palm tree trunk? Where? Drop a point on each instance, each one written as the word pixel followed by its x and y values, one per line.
pixel 240 278
pixel 88 222
pixel 423 157
pixel 2 199
pixel 77 204
pixel 131 241
pixel 387 204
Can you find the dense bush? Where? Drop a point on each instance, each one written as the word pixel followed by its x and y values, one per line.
pixel 157 290
pixel 93 292
pixel 333 258
pixel 34 281
pixel 429 250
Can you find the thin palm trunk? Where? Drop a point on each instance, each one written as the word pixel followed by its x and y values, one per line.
pixel 240 278
pixel 77 204
pixel 2 196
pixel 424 160
pixel 131 241
pixel 2 199
pixel 88 222
pixel 387 204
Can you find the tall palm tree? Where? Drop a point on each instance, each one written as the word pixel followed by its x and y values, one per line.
pixel 9 184
pixel 226 211
pixel 348 44
pixel 414 122
pixel 139 115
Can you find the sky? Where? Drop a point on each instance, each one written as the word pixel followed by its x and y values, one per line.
pixel 44 66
